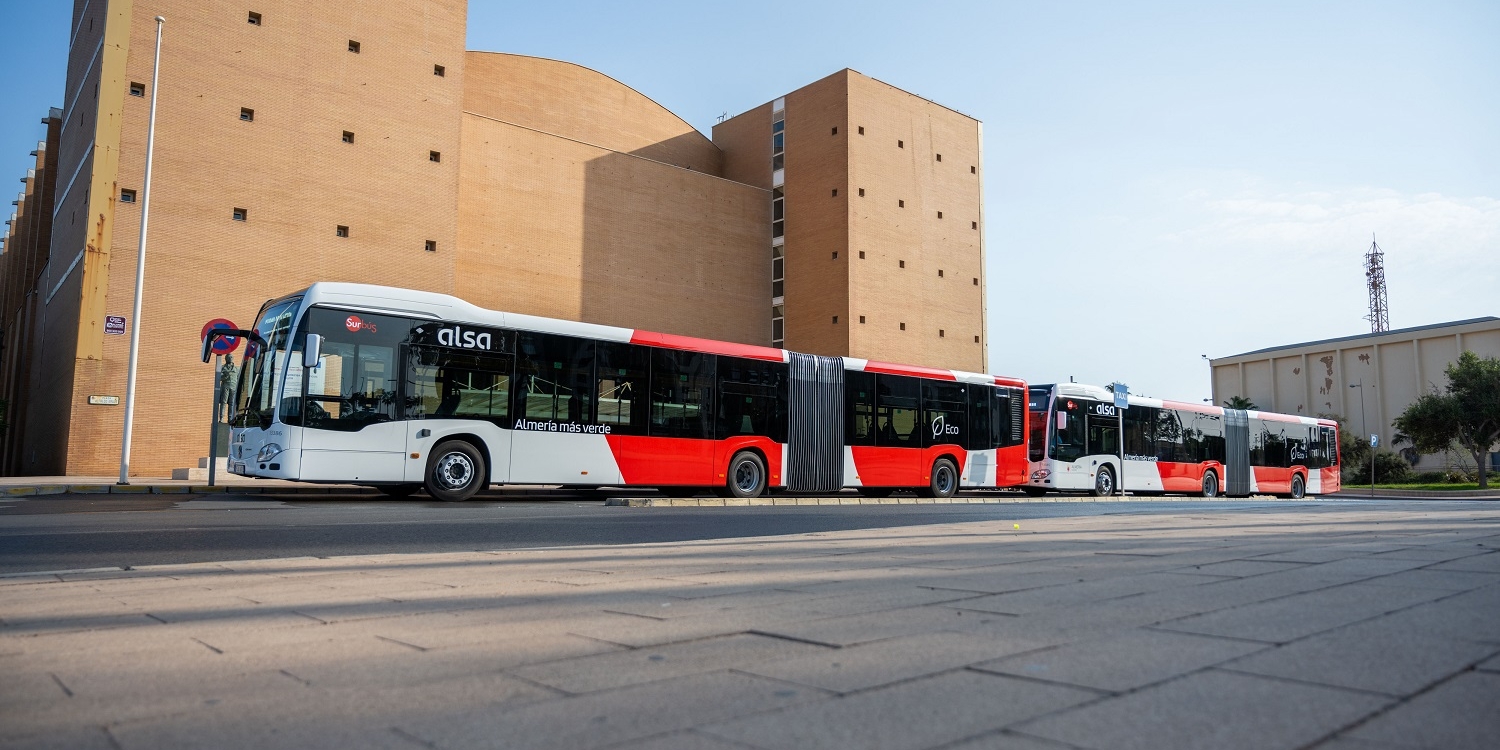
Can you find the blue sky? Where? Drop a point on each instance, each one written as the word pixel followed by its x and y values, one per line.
pixel 1162 179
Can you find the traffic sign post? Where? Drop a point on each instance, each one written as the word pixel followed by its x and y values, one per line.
pixel 223 347
pixel 1122 402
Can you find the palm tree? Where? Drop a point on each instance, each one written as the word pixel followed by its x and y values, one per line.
pixel 1240 402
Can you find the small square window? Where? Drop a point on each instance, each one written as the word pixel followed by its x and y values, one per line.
pixel 137 89
pixel 835 255
pixel 241 214
pixel 973 170
pixel 940 214
pixel 940 273
pixel 976 281
pixel 900 144
pixel 354 46
pixel 127 196
pixel 835 320
pixel 835 131
pixel 434 156
pixel 900 204
pixel 341 231
pixel 861 192
pixel 861 130
pixel 976 339
pixel 348 136
pixel 973 225
pixel 941 333
pixel 903 326
pixel 247 114
pixel 902 262
pixel 835 192
pixel 254 18
pixel 939 157
pixel 431 246
pixel 439 71
pixel 861 255
pixel 861 319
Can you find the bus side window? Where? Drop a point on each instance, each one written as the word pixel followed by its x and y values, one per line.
pixel 448 384
pixel 621 383
pixel 554 377
pixel 944 413
pixel 859 408
pixel 896 411
pixel 752 398
pixel 682 386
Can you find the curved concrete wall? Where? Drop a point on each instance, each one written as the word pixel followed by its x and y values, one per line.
pixel 571 101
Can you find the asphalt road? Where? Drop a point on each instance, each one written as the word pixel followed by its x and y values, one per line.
pixel 71 532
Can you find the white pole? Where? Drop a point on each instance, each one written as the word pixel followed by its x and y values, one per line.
pixel 140 268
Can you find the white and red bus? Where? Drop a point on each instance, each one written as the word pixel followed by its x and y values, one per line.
pixel 1171 446
pixel 406 390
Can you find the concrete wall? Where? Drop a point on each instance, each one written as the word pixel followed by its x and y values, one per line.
pixel 1394 367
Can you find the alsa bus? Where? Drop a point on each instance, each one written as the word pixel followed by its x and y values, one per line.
pixel 402 390
pixel 1171 446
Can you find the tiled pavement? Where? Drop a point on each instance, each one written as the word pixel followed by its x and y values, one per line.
pixel 1322 625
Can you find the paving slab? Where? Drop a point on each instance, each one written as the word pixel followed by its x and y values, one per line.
pixel 1375 655
pixel 620 668
pixel 1129 660
pixel 1210 709
pixel 1292 617
pixel 879 663
pixel 1458 715
pixel 917 714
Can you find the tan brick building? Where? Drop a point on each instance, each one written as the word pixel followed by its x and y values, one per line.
pixel 299 142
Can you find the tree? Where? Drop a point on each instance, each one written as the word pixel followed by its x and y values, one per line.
pixel 1467 414
pixel 1240 402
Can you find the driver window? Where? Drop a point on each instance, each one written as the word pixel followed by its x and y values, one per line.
pixel 356 382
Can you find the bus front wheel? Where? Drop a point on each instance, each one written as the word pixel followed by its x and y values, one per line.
pixel 747 475
pixel 1104 482
pixel 455 471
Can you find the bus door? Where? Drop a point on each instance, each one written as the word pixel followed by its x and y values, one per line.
pixel 349 409
pixel 1103 422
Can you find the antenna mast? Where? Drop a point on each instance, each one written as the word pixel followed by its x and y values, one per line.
pixel 1379 317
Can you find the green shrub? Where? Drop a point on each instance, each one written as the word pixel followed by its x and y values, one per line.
pixel 1390 468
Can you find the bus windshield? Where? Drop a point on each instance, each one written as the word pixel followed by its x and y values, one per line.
pixel 264 364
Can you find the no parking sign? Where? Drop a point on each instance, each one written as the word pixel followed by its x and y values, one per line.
pixel 222 344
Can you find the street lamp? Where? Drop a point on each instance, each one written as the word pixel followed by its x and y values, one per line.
pixel 1210 378
pixel 1365 427
pixel 140 268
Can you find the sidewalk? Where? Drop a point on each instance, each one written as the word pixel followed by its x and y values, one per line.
pixel 1334 626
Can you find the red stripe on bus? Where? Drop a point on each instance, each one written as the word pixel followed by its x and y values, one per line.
pixel 918 371
pixel 707 346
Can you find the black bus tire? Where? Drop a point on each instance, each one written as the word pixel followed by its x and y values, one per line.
pixel 1210 484
pixel 1299 487
pixel 944 479
pixel 1104 482
pixel 746 475
pixel 455 471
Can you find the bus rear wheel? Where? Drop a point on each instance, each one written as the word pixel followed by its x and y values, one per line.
pixel 1210 484
pixel 1299 488
pixel 944 482
pixel 455 471
pixel 747 476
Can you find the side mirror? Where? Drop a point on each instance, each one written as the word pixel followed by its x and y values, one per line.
pixel 1062 420
pixel 312 351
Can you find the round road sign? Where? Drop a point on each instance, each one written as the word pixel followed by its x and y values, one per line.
pixel 223 344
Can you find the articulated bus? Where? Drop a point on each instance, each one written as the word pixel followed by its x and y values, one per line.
pixel 1170 446
pixel 405 390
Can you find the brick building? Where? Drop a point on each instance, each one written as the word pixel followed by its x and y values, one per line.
pixel 299 142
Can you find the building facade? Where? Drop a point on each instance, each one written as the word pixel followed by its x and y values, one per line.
pixel 1365 381
pixel 298 142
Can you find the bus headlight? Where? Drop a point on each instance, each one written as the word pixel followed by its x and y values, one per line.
pixel 1040 474
pixel 268 452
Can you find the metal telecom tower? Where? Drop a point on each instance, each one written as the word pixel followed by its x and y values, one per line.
pixel 1379 317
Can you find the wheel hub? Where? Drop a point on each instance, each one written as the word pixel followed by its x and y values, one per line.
pixel 454 471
